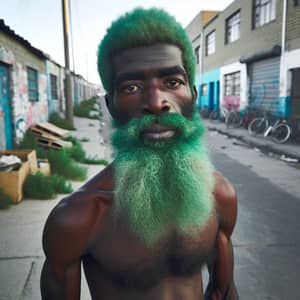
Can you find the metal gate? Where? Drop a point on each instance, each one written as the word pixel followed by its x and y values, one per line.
pixel 6 141
pixel 264 84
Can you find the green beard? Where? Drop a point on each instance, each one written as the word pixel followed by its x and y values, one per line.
pixel 165 184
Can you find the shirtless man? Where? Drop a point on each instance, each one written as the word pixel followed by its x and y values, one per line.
pixel 144 227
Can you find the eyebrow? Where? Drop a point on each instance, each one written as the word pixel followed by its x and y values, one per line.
pixel 141 75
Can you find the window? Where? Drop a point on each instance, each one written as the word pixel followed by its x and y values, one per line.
pixel 232 84
pixel 211 43
pixel 53 83
pixel 233 28
pixel 264 12
pixel 297 2
pixel 32 81
pixel 197 54
pixel 203 89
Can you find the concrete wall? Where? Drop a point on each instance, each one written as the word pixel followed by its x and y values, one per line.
pixel 293 26
pixel 251 40
pixel 231 68
pixel 24 112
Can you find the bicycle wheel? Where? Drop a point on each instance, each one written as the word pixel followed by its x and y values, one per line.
pixel 281 133
pixel 257 126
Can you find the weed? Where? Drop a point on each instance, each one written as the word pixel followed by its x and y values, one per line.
pixel 88 109
pixel 40 186
pixel 5 200
pixel 57 120
pixel 95 161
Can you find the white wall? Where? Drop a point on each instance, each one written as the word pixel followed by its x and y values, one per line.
pixel 231 68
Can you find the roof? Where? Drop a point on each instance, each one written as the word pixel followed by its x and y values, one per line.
pixel 8 31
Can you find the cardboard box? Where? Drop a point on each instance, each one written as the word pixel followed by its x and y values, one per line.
pixel 12 182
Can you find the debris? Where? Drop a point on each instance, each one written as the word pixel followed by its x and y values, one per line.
pixel 289 159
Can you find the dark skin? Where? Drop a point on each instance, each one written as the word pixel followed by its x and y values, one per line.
pixel 117 264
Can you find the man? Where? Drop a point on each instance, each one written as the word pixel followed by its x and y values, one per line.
pixel 145 226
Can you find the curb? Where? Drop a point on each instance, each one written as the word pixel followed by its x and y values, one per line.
pixel 265 146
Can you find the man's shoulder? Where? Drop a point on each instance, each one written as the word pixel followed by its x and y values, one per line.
pixel 71 223
pixel 226 202
pixel 223 189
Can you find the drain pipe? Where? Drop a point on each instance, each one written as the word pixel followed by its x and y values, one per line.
pixel 283 73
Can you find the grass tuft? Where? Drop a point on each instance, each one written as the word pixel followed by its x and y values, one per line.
pixel 40 186
pixel 5 200
pixel 88 109
pixel 57 120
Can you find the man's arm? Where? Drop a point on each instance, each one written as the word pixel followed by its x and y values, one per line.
pixel 221 283
pixel 66 237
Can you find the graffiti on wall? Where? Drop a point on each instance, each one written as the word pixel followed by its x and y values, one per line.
pixel 27 112
pixel 6 56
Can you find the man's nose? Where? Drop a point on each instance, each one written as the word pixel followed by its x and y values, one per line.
pixel 156 102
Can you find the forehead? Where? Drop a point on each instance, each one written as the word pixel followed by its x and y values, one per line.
pixel 147 58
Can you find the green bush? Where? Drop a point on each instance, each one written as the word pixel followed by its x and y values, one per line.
pixel 29 141
pixel 40 186
pixel 78 154
pixel 57 120
pixel 62 164
pixel 5 200
pixel 84 108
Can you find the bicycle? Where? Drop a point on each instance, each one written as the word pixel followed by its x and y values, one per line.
pixel 280 131
pixel 230 115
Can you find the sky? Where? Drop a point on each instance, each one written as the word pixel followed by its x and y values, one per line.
pixel 40 22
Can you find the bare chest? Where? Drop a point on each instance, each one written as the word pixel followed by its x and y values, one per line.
pixel 129 263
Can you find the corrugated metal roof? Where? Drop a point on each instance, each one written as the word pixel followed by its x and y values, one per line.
pixel 7 30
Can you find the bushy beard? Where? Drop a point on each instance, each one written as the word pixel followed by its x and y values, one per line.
pixel 166 184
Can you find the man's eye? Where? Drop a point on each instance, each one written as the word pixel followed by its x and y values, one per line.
pixel 173 83
pixel 130 89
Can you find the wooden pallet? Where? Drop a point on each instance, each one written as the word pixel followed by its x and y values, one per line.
pixel 53 143
pixel 50 129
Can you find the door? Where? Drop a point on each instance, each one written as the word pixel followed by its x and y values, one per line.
pixel 6 141
pixel 211 95
pixel 264 84
pixel 295 93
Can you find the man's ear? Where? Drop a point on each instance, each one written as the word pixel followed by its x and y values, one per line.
pixel 195 94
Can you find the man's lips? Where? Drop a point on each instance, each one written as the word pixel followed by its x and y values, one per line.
pixel 158 132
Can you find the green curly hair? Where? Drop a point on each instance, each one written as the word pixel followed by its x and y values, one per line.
pixel 143 27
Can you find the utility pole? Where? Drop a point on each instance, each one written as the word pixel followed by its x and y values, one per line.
pixel 68 85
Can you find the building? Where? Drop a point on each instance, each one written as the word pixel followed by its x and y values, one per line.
pixel 251 57
pixel 23 81
pixel 32 86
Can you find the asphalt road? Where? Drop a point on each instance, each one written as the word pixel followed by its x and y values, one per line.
pixel 266 239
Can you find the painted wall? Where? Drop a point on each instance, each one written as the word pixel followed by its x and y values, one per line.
pixel 231 68
pixel 24 112
pixel 212 99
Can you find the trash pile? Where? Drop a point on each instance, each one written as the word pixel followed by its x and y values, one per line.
pixel 9 162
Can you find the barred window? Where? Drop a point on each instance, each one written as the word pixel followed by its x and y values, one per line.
pixel 264 12
pixel 233 28
pixel 32 81
pixel 232 84
pixel 211 43
pixel 53 83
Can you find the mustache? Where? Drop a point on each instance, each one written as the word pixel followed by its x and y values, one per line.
pixel 130 134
